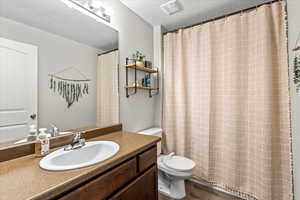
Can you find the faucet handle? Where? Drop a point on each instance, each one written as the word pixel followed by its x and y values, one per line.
pixel 77 142
pixel 77 136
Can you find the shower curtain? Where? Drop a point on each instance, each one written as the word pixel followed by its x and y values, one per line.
pixel 107 89
pixel 226 101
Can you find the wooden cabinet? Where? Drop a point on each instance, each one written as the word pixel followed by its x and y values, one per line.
pixel 103 186
pixel 146 159
pixel 143 188
pixel 136 178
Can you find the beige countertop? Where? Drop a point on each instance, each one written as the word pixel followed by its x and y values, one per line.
pixel 22 178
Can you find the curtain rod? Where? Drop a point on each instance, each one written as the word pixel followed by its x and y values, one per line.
pixel 107 52
pixel 223 16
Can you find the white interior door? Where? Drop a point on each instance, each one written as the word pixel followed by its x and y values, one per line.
pixel 18 89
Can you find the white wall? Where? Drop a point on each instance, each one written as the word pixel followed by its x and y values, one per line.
pixel 54 54
pixel 294 29
pixel 158 61
pixel 136 112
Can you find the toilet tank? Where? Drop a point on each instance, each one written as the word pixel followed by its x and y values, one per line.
pixel 154 132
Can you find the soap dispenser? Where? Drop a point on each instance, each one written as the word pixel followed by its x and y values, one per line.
pixel 42 146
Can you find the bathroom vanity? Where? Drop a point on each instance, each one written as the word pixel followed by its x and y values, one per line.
pixel 135 178
pixel 131 174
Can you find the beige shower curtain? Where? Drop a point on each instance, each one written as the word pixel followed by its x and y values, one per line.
pixel 226 101
pixel 107 89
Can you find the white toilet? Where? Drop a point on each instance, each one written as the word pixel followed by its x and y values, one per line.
pixel 172 170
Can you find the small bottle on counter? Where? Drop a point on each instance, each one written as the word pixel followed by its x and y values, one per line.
pixel 42 146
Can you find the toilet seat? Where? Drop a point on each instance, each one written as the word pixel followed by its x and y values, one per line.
pixel 163 167
pixel 179 163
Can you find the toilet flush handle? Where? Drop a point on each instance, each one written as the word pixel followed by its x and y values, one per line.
pixel 170 155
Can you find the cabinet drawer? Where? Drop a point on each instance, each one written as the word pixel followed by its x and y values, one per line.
pixel 105 185
pixel 146 159
pixel 143 188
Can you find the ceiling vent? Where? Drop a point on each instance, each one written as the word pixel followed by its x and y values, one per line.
pixel 171 7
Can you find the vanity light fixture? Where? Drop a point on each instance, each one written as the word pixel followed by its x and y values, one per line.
pixel 91 8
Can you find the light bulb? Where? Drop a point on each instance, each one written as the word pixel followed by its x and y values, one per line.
pixel 88 7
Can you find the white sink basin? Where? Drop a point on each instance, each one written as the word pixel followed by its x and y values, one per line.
pixel 90 154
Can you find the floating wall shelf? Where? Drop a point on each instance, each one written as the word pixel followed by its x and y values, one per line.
pixel 139 87
pixel 136 87
pixel 145 69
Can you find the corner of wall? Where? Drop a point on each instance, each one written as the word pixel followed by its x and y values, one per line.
pixel 136 112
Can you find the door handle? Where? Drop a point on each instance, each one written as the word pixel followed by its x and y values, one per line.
pixel 33 116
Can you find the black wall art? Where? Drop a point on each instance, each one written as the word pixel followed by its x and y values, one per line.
pixel 71 90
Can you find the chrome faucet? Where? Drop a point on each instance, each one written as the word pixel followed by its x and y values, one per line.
pixel 77 142
pixel 54 131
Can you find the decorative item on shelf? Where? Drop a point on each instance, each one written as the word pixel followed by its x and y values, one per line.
pixel 143 82
pixel 147 80
pixel 148 64
pixel 297 64
pixel 139 58
pixel 71 90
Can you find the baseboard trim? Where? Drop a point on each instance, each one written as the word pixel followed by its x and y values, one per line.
pixel 212 188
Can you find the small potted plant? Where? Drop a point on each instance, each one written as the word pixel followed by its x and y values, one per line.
pixel 140 59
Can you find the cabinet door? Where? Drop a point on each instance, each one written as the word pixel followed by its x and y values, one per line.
pixel 143 188
pixel 147 159
pixel 105 185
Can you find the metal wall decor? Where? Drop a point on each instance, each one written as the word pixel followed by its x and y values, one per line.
pixel 71 90
pixel 297 64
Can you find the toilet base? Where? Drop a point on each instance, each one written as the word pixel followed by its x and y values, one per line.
pixel 171 186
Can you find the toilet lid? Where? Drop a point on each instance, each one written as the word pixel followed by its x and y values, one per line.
pixel 179 163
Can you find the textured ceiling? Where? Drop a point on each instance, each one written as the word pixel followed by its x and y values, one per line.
pixel 194 11
pixel 55 17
